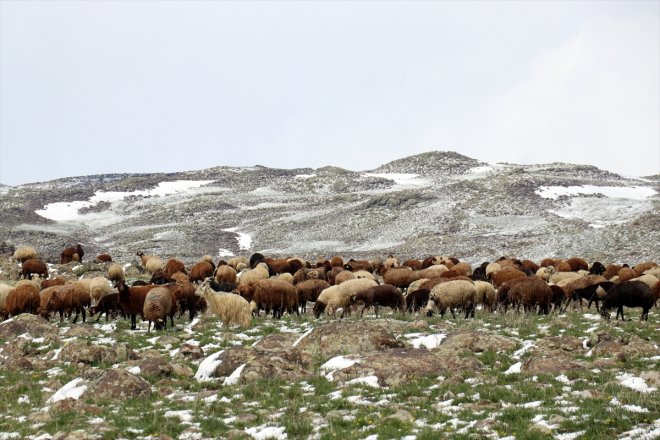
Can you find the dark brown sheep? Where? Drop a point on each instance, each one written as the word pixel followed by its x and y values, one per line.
pixel 417 300
pixel 355 265
pixel 309 290
pixel 131 300
pixel 173 266
pixel 577 264
pixel 225 274
pixel 506 274
pixel 629 294
pixel 57 281
pixel 530 265
pixel 384 295
pixel 532 292
pixel 33 266
pixel 69 254
pixel 414 264
pixel 276 295
pixel 109 305
pixel 400 277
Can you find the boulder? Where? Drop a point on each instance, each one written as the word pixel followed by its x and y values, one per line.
pixel 476 342
pixel 557 363
pixel 259 364
pixel 155 366
pixel 35 326
pixel 117 383
pixel 86 353
pixel 346 337
pixel 630 346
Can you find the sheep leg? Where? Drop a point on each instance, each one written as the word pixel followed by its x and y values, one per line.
pixel 620 310
pixel 453 315
pixel 645 314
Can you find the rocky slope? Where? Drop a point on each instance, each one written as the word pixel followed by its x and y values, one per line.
pixel 432 203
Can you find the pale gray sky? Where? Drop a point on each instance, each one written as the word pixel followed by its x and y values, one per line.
pixel 129 86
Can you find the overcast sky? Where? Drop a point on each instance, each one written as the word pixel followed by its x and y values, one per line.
pixel 128 86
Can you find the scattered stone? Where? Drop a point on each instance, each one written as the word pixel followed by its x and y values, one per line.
pixel 563 343
pixel 188 351
pixel 337 414
pixel 155 366
pixel 541 428
pixel 33 325
pixel 167 340
pixel 182 370
pixel 86 353
pixel 402 416
pixel 550 365
pixel 81 330
pixel 476 342
pixel 118 383
pixel 246 418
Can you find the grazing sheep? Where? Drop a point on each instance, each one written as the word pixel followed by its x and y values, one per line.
pixel 649 280
pixel 562 266
pixel 4 292
pixel 414 264
pixel 225 274
pixel 300 276
pixel 173 266
pixel 400 277
pixel 463 268
pixel 57 281
pixel 334 297
pixel 611 270
pixel 25 253
pixel 98 288
pixel 486 295
pixel 309 290
pixel 69 254
pixel 655 272
pixel 104 258
pixel 160 277
pixel 230 308
pixel 530 265
pixel 116 273
pixel 629 294
pixel 492 269
pixel 641 267
pixel 506 274
pixel 389 263
pixel 597 268
pixel 150 263
pixel 248 276
pixel 433 271
pixel 33 266
pixel 200 271
pixel 532 292
pixel 256 259
pixel 343 276
pixel 235 261
pixel 179 277
pixel 415 285
pixel 558 297
pixel 276 295
pixel 565 277
pixel 131 300
pixel 546 262
pixel 579 285
pixel 359 265
pixel 576 264
pixel 336 261
pixel 450 295
pixel 545 272
pixel 46 307
pixel 417 299
pixel 158 305
pixel 429 261
pixel 363 274
pixel 286 276
pixel 186 300
pixel 109 305
pixel 479 274
pixel 24 298
pixel 384 295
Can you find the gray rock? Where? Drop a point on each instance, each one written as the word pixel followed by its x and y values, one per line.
pixel 117 383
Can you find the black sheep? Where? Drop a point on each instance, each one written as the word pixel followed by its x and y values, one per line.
pixel 109 305
pixel 417 300
pixel 629 294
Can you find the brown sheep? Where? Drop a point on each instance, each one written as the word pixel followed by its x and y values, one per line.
pixel 579 284
pixel 414 264
pixel 611 270
pixel 506 274
pixel 530 265
pixel 355 265
pixel 336 261
pixel 105 258
pixel 276 266
pixel 116 273
pixel 179 277
pixel 463 268
pixel 562 266
pixel 225 274
pixel 300 276
pixel 577 264
pixel 23 299
pixel 400 277
pixel 547 262
pixel 343 276
pixel 69 254
pixel 383 295
pixel 158 305
pixel 131 300
pixel 57 281
pixel 641 267
pixel 309 290
pixel 186 299
pixel 33 266
pixel 626 274
pixel 69 298
pixel 200 271
pixel 532 292
pixel 275 295
pixel 173 266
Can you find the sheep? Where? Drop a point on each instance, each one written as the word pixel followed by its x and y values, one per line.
pixel 559 277
pixel 611 270
pixel 255 259
pixel 24 298
pixel 400 277
pixel 626 274
pixel 486 294
pixel 492 269
pixel 300 276
pixel 532 292
pixel 654 271
pixel 546 262
pixel 116 273
pixel 109 305
pixel 309 290
pixel 25 253
pixel 545 272
pixel 479 274
pixel 577 264
pixel 158 305
pixel 70 298
pixel 597 268
pixel 131 300
pixel 334 297
pixel 259 272
pixel 463 268
pixel 294 264
pixel 641 267
pixel 433 271
pixel 530 265
pixel 186 299
pixel 33 266
pixel 150 263
pixel 383 295
pixel 200 271
pixel 415 285
pixel 363 274
pixel 649 280
pixel 230 308
pixel 562 266
pixel 505 275
pixel 343 276
pixel 71 253
pixel 160 277
pixel 57 281
pixel 286 276
pixel 452 294
pixel 235 261
pixel 357 265
pixel 429 261
pixel 4 292
pixel 558 297
pixel 104 258
pixel 414 264
pixel 629 294
pixel 275 295
pixel 417 299
pixel 225 274
pixel 579 284
pixel 46 306
pixel 98 288
pixel 336 261
pixel 173 266
pixel 390 263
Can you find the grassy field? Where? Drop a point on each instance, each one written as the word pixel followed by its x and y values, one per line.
pixel 494 402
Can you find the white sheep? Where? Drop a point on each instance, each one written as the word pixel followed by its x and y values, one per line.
pixel 230 308
pixel 458 293
pixel 545 272
pixel 98 288
pixel 337 296
pixel 492 269
pixel 486 294
pixel 24 253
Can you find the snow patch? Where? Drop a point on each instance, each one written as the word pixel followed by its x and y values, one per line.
pixel 615 192
pixel 335 364
pixel 72 390
pixel 401 180
pixel 428 341
pixel 371 381
pixel 185 415
pixel 233 378
pixel 244 240
pixel 264 432
pixel 207 367
pixel 635 383
pixel 514 369
pixel 630 408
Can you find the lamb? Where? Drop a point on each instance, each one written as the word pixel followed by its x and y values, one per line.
pixel 150 263
pixel 158 305
pixel 24 298
pixel 452 294
pixel 225 274
pixel 486 294
pixel 275 295
pixel 230 308
pixel 337 296
pixel 383 295
pixel 173 266
pixel 235 261
pixel 545 272
pixel 116 273
pixel 309 290
pixel 104 258
pixel 200 271
pixel 25 253
pixel 629 294
pixel 33 266
pixel 70 254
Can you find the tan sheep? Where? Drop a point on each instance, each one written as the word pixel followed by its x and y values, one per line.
pixel 24 253
pixel 116 273
pixel 230 308
pixel 158 305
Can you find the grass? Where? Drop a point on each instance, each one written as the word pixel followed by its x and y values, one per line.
pixel 480 403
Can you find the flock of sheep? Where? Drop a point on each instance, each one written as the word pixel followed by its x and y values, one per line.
pixel 238 290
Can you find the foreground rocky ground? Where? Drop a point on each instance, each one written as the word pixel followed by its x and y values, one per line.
pixel 497 376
